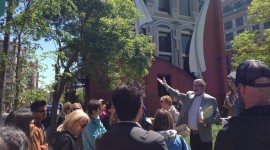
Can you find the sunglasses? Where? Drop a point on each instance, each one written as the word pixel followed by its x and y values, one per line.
pixel 83 124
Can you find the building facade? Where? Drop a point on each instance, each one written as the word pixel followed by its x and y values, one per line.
pixel 235 21
pixel 189 44
pixel 9 84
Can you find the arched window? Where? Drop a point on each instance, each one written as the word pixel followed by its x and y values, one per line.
pixel 164 6
pixel 164 43
pixel 186 35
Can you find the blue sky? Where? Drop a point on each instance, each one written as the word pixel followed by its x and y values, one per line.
pixel 48 73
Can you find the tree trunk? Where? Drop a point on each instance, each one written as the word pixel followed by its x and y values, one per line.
pixel 3 56
pixel 17 79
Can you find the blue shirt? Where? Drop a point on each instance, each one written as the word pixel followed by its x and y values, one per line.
pixel 90 133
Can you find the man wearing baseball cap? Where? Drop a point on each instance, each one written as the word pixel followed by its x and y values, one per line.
pixel 251 129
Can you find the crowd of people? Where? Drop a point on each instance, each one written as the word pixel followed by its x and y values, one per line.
pixel 122 124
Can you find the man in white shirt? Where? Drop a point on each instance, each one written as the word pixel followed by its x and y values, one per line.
pixel 193 101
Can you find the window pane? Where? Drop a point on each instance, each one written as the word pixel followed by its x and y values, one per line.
pixel 185 40
pixel 229 37
pixel 184 8
pixel 228 25
pixel 228 47
pixel 239 21
pixel 161 89
pixel 164 42
pixel 226 9
pixel 186 64
pixel 237 4
pixel 255 27
pixel 267 25
pixel 164 5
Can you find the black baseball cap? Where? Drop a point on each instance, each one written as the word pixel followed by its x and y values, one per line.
pixel 250 70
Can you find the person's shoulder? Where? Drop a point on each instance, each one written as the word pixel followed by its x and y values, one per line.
pixel 209 96
pixel 150 136
pixel 190 92
pixel 226 138
pixel 63 140
pixel 63 136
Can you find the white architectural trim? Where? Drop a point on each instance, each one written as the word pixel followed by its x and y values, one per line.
pixel 196 55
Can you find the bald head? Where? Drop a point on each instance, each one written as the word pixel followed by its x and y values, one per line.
pixel 253 80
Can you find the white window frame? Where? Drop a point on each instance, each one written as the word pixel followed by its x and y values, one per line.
pixel 158 30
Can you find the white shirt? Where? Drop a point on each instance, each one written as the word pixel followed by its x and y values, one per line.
pixel 193 112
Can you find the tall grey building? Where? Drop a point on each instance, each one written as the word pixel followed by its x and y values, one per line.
pixel 235 20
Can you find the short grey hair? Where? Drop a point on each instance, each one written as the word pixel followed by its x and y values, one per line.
pixel 201 81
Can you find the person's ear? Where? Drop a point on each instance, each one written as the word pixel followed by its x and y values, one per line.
pixel 242 89
pixel 140 109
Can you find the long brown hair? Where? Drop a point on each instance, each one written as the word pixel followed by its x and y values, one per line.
pixel 163 120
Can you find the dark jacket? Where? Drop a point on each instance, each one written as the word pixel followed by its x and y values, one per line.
pixel 65 141
pixel 130 136
pixel 60 119
pixel 249 131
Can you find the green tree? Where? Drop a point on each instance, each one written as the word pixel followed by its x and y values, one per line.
pixel 97 39
pixel 4 51
pixel 258 11
pixel 26 26
pixel 80 94
pixel 29 96
pixel 249 45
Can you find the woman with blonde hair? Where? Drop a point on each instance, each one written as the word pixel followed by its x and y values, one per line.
pixel 63 114
pixel 163 124
pixel 70 129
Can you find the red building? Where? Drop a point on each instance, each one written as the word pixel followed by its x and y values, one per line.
pixel 189 44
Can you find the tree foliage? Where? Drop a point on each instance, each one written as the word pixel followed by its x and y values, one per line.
pixel 250 44
pixel 96 39
pixel 29 96
pixel 258 11
pixel 113 51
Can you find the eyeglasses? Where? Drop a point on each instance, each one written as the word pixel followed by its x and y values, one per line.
pixel 83 125
pixel 198 85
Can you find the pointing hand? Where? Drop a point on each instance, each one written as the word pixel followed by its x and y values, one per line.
pixel 163 82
